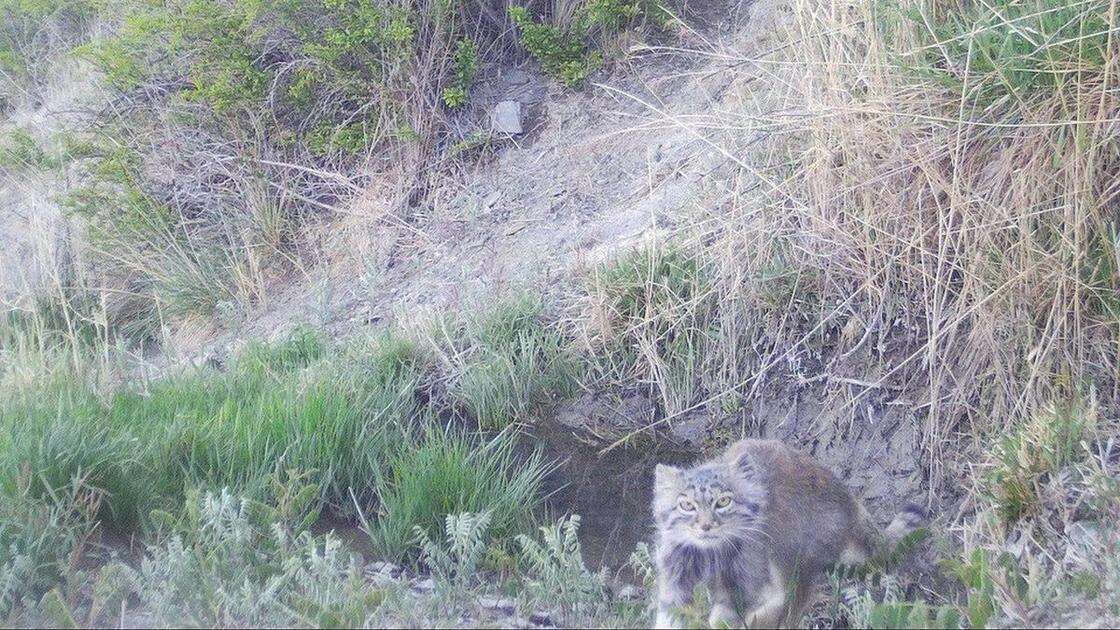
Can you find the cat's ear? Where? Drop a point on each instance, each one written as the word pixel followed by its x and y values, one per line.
pixel 665 476
pixel 743 464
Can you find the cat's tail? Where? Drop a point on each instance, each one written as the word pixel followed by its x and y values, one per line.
pixel 911 518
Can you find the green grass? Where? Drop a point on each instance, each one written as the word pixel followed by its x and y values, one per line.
pixel 646 315
pixel 1041 445
pixel 448 472
pixel 277 406
pixel 40 538
pixel 509 362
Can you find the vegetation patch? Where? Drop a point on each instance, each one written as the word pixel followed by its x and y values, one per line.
pixel 447 473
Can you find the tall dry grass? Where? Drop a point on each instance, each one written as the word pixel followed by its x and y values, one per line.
pixel 925 205
pixel 952 184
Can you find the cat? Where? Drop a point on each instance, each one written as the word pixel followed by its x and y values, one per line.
pixel 758 524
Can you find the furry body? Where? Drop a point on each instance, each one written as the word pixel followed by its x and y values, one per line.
pixel 758 524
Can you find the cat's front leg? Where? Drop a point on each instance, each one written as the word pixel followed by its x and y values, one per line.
pixel 672 596
pixel 769 606
pixel 723 613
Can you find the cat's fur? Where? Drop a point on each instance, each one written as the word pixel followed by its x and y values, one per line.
pixel 758 525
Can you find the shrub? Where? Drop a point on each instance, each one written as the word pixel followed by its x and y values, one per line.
pixel 231 561
pixel 571 53
pixel 1045 443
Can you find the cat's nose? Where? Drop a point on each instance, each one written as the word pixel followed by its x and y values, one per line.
pixel 705 526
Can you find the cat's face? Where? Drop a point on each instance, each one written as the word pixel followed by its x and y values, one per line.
pixel 711 505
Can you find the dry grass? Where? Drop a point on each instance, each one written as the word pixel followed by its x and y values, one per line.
pixel 930 210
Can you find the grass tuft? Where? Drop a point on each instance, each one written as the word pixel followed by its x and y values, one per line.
pixel 447 472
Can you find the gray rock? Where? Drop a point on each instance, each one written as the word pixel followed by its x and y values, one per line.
pixel 541 618
pixel 629 593
pixel 427 585
pixel 491 200
pixel 385 568
pixel 501 605
pixel 506 118
pixel 516 76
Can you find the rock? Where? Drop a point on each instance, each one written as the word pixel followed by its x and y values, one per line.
pixel 629 593
pixel 427 585
pixel 516 76
pixel 491 200
pixel 384 568
pixel 1084 543
pixel 501 605
pixel 506 118
pixel 383 574
pixel 541 618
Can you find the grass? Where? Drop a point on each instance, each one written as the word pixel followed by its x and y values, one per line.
pixel 507 362
pixel 1048 442
pixel 644 316
pixel 933 214
pixel 275 406
pixel 448 473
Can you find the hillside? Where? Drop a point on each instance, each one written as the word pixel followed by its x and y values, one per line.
pixel 296 292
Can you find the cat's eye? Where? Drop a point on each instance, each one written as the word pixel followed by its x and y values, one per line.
pixel 686 506
pixel 723 502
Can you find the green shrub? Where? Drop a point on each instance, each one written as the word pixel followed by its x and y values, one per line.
pixel 233 561
pixel 466 65
pixel 26 32
pixel 19 150
pixel 572 53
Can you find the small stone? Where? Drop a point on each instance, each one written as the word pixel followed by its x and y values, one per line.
pixel 541 618
pixel 506 117
pixel 383 574
pixel 427 585
pixel 502 605
pixel 516 76
pixel 387 568
pixel 629 593
pixel 489 201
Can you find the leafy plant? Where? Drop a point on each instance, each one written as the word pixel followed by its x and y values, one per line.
pixel 1045 443
pixel 42 537
pixel 555 567
pixel 455 563
pixel 466 65
pixel 232 561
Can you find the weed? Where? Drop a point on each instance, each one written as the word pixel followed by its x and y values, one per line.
pixel 456 564
pixel 233 561
pixel 41 538
pixel 1045 443
pixel 571 53
pixel 647 316
pixel 556 569
pixel 466 65
pixel 18 149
